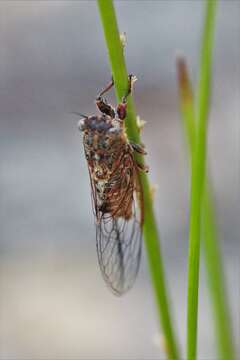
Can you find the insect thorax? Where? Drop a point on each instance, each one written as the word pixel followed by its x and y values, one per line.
pixel 108 154
pixel 104 141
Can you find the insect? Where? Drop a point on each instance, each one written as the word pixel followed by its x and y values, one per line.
pixel 116 192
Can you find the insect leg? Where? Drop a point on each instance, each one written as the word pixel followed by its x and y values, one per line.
pixel 142 167
pixel 122 107
pixel 122 110
pixel 131 80
pixel 138 148
pixel 107 88
pixel 102 104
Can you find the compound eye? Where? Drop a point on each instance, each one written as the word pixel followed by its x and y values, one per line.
pixel 81 125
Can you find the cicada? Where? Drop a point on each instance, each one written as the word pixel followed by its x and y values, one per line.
pixel 116 191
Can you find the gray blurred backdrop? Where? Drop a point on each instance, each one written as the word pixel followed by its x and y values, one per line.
pixel 53 60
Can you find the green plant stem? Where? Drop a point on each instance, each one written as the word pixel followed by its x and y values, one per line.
pixel 212 253
pixel 120 76
pixel 216 281
pixel 198 178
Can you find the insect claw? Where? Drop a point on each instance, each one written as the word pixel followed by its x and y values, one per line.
pixel 143 167
pixel 131 80
pixel 138 148
pixel 146 168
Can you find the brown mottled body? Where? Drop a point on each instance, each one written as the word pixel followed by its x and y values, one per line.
pixel 114 175
pixel 112 167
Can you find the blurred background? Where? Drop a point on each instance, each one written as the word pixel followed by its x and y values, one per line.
pixel 53 60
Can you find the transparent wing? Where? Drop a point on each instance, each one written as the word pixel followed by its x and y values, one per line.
pixel 119 229
pixel 119 243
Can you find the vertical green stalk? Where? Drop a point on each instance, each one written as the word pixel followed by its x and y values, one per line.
pixel 198 178
pixel 212 253
pixel 120 76
pixel 216 281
